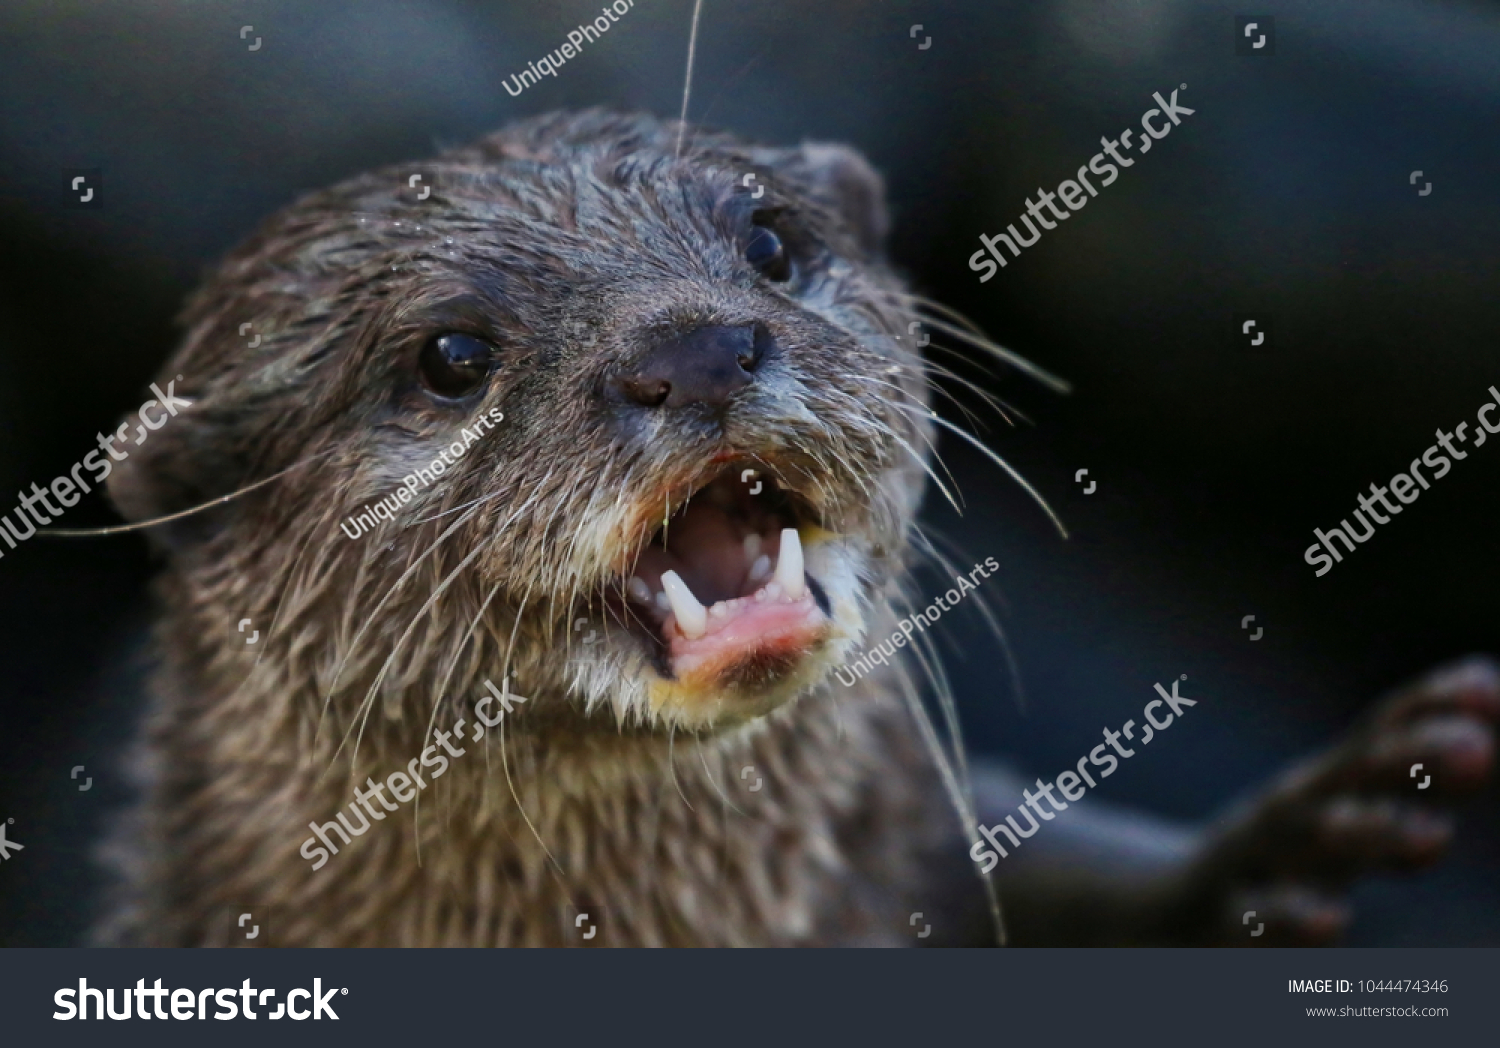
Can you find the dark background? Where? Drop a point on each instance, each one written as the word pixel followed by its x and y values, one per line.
pixel 1286 194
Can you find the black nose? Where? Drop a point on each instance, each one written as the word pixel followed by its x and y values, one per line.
pixel 705 366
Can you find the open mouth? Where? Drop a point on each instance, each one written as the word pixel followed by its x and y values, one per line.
pixel 721 592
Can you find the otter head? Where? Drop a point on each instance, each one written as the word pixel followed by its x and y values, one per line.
pixel 635 430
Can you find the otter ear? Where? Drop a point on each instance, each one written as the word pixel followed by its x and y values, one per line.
pixel 843 180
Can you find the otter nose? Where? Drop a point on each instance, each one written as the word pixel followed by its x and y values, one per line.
pixel 707 365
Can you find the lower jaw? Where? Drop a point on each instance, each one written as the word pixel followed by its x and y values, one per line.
pixel 751 685
pixel 752 676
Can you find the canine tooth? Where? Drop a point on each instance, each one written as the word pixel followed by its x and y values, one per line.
pixel 692 616
pixel 638 589
pixel 752 547
pixel 761 569
pixel 789 564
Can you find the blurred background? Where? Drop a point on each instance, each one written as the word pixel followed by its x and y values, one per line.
pixel 1287 195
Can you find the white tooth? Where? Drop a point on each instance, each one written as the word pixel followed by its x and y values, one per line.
pixel 638 590
pixel 692 617
pixel 662 602
pixel 752 547
pixel 789 564
pixel 761 569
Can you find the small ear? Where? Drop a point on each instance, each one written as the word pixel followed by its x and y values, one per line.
pixel 844 181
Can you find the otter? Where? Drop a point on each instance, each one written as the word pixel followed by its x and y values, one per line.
pixel 692 435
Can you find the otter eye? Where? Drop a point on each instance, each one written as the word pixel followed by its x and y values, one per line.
pixel 455 366
pixel 766 253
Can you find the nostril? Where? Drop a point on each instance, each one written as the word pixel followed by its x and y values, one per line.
pixel 705 366
pixel 751 355
pixel 647 392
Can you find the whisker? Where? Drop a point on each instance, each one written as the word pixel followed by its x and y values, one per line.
pixel 559 873
pixel 369 701
pixel 948 311
pixel 672 765
pixel 925 438
pixel 1000 352
pixel 687 83
pixel 990 618
pixel 437 701
pixel 884 427
pixel 961 803
pixel 116 529
pixel 354 644
pixel 995 458
pixel 712 781
pixel 1000 406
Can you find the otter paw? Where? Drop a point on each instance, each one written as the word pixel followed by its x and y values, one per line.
pixel 1378 800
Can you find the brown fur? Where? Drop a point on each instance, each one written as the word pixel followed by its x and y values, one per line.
pixel 570 242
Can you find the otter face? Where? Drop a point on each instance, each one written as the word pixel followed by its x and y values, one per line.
pixel 709 448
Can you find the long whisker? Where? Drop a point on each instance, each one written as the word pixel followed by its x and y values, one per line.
pixel 886 361
pixel 1000 404
pixel 1000 352
pixel 1001 407
pixel 116 529
pixel 505 763
pixel 672 765
pixel 925 438
pixel 1017 688
pixel 997 460
pixel 961 803
pixel 948 311
pixel 687 83
pixel 354 644
pixel 889 431
pixel 437 701
pixel 369 701
pixel 712 780
pixel 927 656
